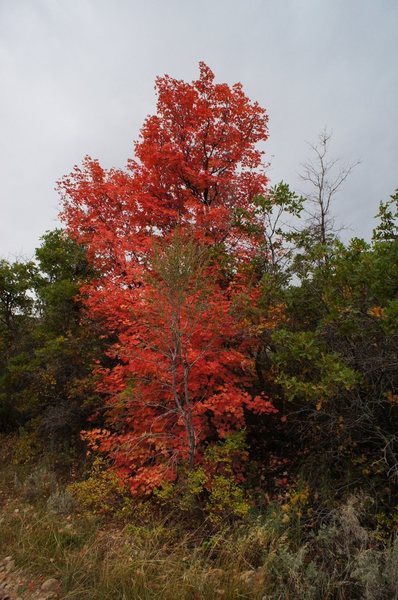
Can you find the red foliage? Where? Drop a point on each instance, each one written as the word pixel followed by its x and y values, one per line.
pixel 171 238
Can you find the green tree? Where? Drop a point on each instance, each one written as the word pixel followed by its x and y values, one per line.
pixel 332 361
pixel 45 378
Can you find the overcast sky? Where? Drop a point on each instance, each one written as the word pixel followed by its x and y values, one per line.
pixel 77 78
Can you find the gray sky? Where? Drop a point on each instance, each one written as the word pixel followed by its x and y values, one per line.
pixel 77 78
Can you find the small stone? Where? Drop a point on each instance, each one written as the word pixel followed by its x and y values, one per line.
pixel 50 585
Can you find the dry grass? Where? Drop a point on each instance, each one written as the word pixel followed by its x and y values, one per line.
pixel 134 562
pixel 154 557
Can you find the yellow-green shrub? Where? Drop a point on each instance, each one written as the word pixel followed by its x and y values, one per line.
pixel 101 493
pixel 215 486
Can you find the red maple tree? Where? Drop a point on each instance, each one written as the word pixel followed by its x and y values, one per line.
pixel 172 239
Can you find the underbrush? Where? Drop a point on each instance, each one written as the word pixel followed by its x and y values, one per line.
pixel 143 552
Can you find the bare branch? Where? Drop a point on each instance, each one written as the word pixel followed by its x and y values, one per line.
pixel 325 177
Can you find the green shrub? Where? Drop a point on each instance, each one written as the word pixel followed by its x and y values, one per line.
pixel 27 445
